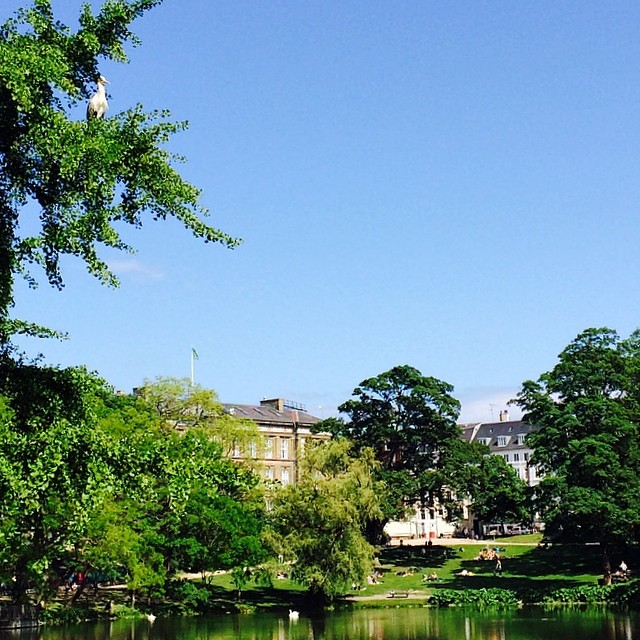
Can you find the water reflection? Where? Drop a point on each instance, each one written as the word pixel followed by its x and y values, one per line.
pixel 380 624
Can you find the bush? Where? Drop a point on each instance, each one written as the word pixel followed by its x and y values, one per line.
pixel 187 597
pixel 58 613
pixel 627 594
pixel 587 594
pixel 478 598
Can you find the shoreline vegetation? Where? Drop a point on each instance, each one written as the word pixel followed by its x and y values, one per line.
pixel 414 573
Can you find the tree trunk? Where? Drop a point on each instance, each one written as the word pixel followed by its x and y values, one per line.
pixel 77 593
pixel 374 531
pixel 606 563
pixel 8 221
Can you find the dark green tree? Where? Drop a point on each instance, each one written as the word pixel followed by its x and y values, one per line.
pixel 83 179
pixel 587 412
pixel 409 420
pixel 497 493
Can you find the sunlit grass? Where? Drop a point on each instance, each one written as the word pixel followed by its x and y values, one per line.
pixel 526 565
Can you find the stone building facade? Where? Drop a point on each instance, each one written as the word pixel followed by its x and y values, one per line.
pixel 285 429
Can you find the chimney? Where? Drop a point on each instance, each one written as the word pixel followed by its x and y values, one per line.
pixel 276 403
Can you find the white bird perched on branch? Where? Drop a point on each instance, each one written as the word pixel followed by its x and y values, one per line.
pixel 98 104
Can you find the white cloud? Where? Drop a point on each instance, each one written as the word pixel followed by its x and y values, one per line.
pixel 136 270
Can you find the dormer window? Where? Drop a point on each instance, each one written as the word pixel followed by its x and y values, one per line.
pixel 503 440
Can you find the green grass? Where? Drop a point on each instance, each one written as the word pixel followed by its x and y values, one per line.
pixel 284 594
pixel 527 567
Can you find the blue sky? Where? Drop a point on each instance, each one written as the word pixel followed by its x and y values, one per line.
pixel 450 185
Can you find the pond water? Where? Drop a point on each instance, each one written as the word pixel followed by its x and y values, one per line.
pixel 375 624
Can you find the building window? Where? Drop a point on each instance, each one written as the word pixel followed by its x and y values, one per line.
pixel 268 473
pixel 252 450
pixel 236 450
pixel 526 456
pixel 516 457
pixel 506 457
pixel 502 441
pixel 284 476
pixel 268 448
pixel 284 448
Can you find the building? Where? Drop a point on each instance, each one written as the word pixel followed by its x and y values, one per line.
pixel 285 428
pixel 506 439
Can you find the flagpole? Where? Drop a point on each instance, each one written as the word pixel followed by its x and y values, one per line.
pixel 194 356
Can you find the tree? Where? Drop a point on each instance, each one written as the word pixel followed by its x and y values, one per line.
pixel 409 420
pixel 180 502
pixel 497 493
pixel 83 178
pixel 186 406
pixel 53 474
pixel 321 519
pixel 587 412
pixel 94 482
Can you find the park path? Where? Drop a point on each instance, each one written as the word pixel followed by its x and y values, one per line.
pixel 458 542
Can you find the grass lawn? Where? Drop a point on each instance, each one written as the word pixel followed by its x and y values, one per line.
pixel 525 566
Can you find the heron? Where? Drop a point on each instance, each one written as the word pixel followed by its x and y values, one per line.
pixel 150 617
pixel 98 104
pixel 293 615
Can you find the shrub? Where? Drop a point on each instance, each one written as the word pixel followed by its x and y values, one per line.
pixel 187 597
pixel 478 598
pixel 588 594
pixel 627 594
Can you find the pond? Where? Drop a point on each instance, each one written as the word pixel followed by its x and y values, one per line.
pixel 376 624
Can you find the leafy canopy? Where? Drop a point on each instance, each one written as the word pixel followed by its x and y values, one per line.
pixel 184 405
pixel 82 180
pixel 320 520
pixel 588 440
pixel 409 420
pixel 95 482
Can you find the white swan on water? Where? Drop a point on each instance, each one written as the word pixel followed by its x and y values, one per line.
pixel 293 615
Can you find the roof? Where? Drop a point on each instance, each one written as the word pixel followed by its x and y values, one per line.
pixel 264 414
pixel 489 432
pixel 468 431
